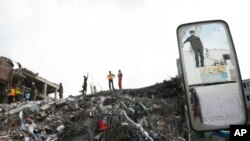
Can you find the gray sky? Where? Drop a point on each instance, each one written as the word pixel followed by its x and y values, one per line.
pixel 62 40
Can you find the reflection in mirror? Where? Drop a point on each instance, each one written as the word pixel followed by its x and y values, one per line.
pixel 211 75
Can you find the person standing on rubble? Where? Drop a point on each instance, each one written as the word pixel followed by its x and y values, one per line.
pixel 95 89
pixel 84 86
pixel 2 96
pixel 110 78
pixel 33 91
pixel 91 89
pixel 60 90
pixel 18 93
pixel 11 95
pixel 120 79
pixel 26 96
pixel 5 95
pixel 22 92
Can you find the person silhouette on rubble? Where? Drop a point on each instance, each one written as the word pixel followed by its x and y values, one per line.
pixel 33 91
pixel 84 86
pixel 60 90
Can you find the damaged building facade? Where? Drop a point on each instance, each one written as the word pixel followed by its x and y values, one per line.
pixel 12 73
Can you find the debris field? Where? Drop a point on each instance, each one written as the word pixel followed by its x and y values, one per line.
pixel 153 113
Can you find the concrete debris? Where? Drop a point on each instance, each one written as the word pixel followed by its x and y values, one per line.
pixel 148 114
pixel 32 106
pixel 44 107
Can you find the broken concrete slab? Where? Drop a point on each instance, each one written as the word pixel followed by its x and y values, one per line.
pixel 45 107
pixel 34 107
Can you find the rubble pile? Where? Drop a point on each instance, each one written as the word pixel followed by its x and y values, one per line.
pixel 148 114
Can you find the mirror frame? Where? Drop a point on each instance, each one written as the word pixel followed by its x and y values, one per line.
pixel 186 87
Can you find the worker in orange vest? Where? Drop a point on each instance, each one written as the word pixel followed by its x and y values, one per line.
pixel 12 94
pixel 110 78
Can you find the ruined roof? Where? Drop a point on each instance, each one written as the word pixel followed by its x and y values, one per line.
pixel 39 81
pixel 8 71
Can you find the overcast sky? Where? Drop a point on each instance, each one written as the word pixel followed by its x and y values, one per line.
pixel 62 40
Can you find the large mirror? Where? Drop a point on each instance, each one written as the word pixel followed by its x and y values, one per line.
pixel 211 75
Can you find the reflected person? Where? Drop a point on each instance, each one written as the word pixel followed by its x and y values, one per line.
pixel 197 47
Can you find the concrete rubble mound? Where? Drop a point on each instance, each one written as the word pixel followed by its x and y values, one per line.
pixel 153 113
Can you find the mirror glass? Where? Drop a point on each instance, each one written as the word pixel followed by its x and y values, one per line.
pixel 211 75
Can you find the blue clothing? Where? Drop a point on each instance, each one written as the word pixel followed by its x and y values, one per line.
pixel 27 96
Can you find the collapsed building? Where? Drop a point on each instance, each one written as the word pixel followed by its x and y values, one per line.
pixel 12 73
pixel 153 113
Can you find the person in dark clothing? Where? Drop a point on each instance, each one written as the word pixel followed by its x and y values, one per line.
pixel 197 47
pixel 33 91
pixel 110 78
pixel 95 89
pixel 60 90
pixel 84 86
pixel 5 95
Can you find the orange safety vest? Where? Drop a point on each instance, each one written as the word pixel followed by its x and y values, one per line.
pixel 111 76
pixel 12 92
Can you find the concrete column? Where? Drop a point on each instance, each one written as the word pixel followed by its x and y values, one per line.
pixel 45 91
